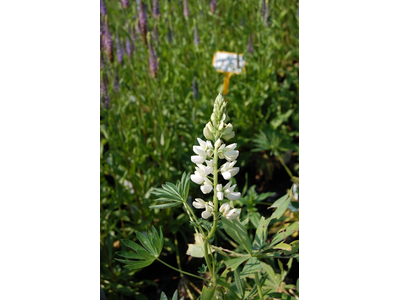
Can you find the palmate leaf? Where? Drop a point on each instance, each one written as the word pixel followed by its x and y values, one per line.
pixel 143 255
pixel 237 231
pixel 284 233
pixel 174 297
pixel 252 266
pixel 173 195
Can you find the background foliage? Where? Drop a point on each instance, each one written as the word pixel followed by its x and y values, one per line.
pixel 149 123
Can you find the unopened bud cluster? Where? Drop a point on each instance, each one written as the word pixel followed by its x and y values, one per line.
pixel 217 127
pixel 216 131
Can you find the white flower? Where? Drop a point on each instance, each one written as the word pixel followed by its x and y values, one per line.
pixel 207 186
pixel 229 214
pixel 233 213
pixel 210 163
pixel 200 175
pixel 209 210
pixel 228 171
pixel 220 193
pixel 229 192
pixel 228 132
pixel 203 151
pixel 228 152
pixel 224 209
pixel 199 203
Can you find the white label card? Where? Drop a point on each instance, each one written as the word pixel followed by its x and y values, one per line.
pixel 228 62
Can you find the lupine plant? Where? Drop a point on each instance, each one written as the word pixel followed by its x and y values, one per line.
pixel 256 279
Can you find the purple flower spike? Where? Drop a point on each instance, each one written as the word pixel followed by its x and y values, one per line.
pixel 213 5
pixel 120 51
pixel 101 60
pixel 196 35
pixel 143 20
pixel 250 47
pixel 152 59
pixel 156 8
pixel 103 8
pixel 186 11
pixel 264 12
pixel 129 47
pixel 125 3
pixel 108 42
pixel 105 100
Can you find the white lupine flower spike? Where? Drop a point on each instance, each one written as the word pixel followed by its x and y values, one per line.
pixel 217 131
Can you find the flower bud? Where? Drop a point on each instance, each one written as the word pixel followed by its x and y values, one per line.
pixel 217 143
pixel 228 136
pixel 207 133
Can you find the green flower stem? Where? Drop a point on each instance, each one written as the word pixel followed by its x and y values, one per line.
pixel 259 286
pixel 214 227
pixel 181 271
pixel 286 168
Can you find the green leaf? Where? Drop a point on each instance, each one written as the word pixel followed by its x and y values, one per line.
pixel 239 284
pixel 283 246
pixel 295 246
pixel 135 264
pixel 281 204
pixel 166 205
pixel 261 234
pixel 236 262
pixel 282 234
pixel 208 293
pixel 129 255
pixel 251 267
pixel 163 296
pixel 147 244
pixel 281 296
pixel 139 249
pixel 236 231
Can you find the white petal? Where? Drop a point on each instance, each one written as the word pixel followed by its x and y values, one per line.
pixel 217 143
pixel 231 147
pixel 210 163
pixel 224 208
pixel 227 175
pixel 205 214
pixel 202 143
pixel 197 178
pixel 219 187
pixel 220 195
pixel 231 155
pixel 199 203
pixel 198 150
pixel 208 170
pixel 233 214
pixel 234 171
pixel 197 159
pixel 233 196
pixel 206 188
pixel 228 185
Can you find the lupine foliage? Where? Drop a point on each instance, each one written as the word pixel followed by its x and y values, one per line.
pixel 154 104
